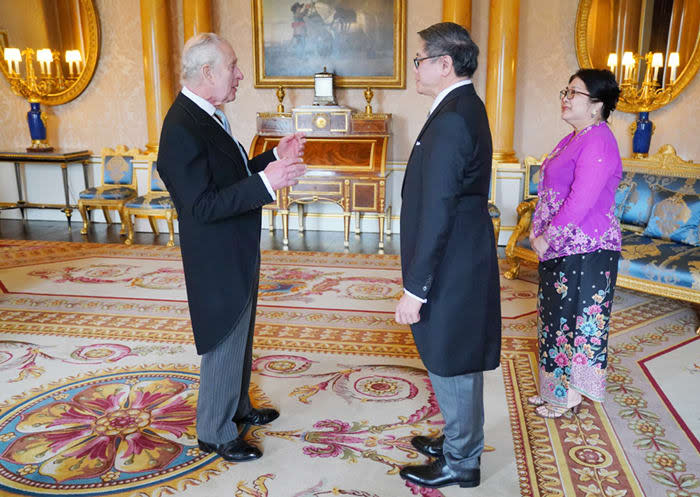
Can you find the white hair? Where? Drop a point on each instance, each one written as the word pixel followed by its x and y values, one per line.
pixel 200 50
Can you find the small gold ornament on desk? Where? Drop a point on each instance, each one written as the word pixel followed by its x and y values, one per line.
pixel 368 96
pixel 280 96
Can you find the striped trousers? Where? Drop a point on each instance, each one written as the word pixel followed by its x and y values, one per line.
pixel 225 378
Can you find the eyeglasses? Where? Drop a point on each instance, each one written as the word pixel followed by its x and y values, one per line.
pixel 418 60
pixel 569 93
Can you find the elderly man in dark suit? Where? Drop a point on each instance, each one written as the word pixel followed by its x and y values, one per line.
pixel 448 255
pixel 218 194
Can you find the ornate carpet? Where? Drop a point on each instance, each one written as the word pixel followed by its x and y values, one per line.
pixel 99 386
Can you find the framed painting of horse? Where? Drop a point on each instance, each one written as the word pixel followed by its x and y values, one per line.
pixel 361 41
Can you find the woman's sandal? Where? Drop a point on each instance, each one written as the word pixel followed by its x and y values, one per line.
pixel 535 400
pixel 550 411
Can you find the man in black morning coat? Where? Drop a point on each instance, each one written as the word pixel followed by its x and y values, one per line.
pixel 218 194
pixel 448 255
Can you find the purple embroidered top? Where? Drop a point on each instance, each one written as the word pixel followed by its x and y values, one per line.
pixel 576 207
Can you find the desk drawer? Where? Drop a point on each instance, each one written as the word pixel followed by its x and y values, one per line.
pixel 317 187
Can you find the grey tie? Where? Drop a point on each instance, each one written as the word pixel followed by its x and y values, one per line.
pixel 219 114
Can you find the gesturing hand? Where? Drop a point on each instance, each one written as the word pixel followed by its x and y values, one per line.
pixel 284 172
pixel 291 146
pixel 408 310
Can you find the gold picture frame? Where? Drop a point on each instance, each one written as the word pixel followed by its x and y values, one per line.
pixel 293 40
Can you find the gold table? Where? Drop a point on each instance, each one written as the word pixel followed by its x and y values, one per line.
pixel 62 158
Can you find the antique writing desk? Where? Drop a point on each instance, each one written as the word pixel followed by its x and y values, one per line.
pixel 346 158
pixel 62 158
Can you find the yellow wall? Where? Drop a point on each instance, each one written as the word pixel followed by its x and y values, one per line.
pixel 111 111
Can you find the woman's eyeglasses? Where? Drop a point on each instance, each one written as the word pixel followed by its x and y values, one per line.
pixel 569 93
pixel 418 60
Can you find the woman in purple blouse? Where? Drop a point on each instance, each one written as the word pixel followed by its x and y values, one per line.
pixel 577 239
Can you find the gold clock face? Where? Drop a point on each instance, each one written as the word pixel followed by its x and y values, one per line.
pixel 320 121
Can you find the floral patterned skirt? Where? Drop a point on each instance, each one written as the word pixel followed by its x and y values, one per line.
pixel 574 303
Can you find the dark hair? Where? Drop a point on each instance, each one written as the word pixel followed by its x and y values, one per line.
pixel 448 38
pixel 601 86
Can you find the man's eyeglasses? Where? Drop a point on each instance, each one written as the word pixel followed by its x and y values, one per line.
pixel 569 93
pixel 418 60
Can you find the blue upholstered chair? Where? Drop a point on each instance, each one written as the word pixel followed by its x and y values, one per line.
pixel 156 203
pixel 118 185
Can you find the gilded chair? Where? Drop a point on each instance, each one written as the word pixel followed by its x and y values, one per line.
pixel 156 203
pixel 518 247
pixel 118 185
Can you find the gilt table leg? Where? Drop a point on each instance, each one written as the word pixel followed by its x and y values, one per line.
pixel 18 178
pixel 68 210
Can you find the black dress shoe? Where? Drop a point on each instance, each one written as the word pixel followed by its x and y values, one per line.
pixel 438 474
pixel 431 447
pixel 258 417
pixel 237 450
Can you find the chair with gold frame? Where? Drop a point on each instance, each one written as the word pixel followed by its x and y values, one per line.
pixel 118 186
pixel 156 203
pixel 515 251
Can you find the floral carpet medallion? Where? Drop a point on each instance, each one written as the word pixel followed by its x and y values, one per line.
pixel 99 383
pixel 90 435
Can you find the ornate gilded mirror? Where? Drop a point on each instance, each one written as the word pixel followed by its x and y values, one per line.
pixel 653 46
pixel 69 29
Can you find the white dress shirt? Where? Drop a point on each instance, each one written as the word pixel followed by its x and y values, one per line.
pixel 440 97
pixel 209 108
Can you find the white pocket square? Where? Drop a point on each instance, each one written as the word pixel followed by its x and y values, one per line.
pixel 417 144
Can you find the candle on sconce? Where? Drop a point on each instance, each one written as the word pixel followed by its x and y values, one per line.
pixel 612 62
pixel 657 61
pixel 673 63
pixel 73 59
pixel 44 57
pixel 13 58
pixel 628 64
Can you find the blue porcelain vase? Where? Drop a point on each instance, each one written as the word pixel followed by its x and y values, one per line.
pixel 37 129
pixel 642 135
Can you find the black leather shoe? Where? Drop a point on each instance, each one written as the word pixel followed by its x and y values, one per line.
pixel 258 417
pixel 237 450
pixel 431 447
pixel 438 474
